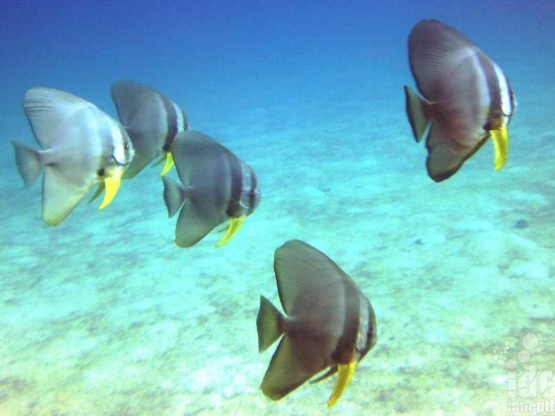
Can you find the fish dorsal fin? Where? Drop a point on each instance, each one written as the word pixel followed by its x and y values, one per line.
pixel 48 109
pixel 305 273
pixel 434 50
pixel 131 98
pixel 202 164
pixel 200 160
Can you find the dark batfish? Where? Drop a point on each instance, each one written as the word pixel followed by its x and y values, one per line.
pixel 81 146
pixel 466 98
pixel 216 187
pixel 152 121
pixel 330 324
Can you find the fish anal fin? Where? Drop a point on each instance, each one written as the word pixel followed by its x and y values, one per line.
pixel 59 196
pixel 196 219
pixel 293 363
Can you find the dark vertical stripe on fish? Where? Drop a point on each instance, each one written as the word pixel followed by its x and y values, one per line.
pixel 252 191
pixel 236 174
pixel 171 123
pixel 343 353
pixel 222 191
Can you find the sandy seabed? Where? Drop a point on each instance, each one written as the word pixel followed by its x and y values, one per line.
pixel 104 315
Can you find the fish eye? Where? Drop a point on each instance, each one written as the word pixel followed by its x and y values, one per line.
pixel 126 146
pixel 101 172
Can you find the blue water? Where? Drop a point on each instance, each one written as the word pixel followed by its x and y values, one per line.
pixel 105 315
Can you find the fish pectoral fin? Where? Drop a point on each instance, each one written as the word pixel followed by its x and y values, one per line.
pixel 97 192
pixel 160 160
pixel 111 183
pixel 168 165
pixel 224 228
pixel 331 371
pixel 501 146
pixel 234 225
pixel 344 375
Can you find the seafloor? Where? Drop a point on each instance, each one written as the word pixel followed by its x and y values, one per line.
pixel 104 315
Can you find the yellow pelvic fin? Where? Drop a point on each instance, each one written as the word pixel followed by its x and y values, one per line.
pixel 111 183
pixel 501 146
pixel 168 165
pixel 344 375
pixel 234 225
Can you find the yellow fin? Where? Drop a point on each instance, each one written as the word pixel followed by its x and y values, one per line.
pixel 168 165
pixel 234 225
pixel 111 183
pixel 501 146
pixel 344 375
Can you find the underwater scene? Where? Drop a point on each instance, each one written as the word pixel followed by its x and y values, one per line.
pixel 277 207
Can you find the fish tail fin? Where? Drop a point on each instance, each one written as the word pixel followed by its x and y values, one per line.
pixel 269 324
pixel 174 195
pixel 29 162
pixel 416 110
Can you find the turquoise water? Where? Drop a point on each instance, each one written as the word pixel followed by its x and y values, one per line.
pixel 105 315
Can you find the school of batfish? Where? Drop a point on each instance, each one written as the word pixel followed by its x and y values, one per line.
pixel 329 324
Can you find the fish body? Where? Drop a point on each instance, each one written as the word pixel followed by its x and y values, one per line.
pixel 328 322
pixel 151 119
pixel 215 187
pixel 81 146
pixel 465 98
